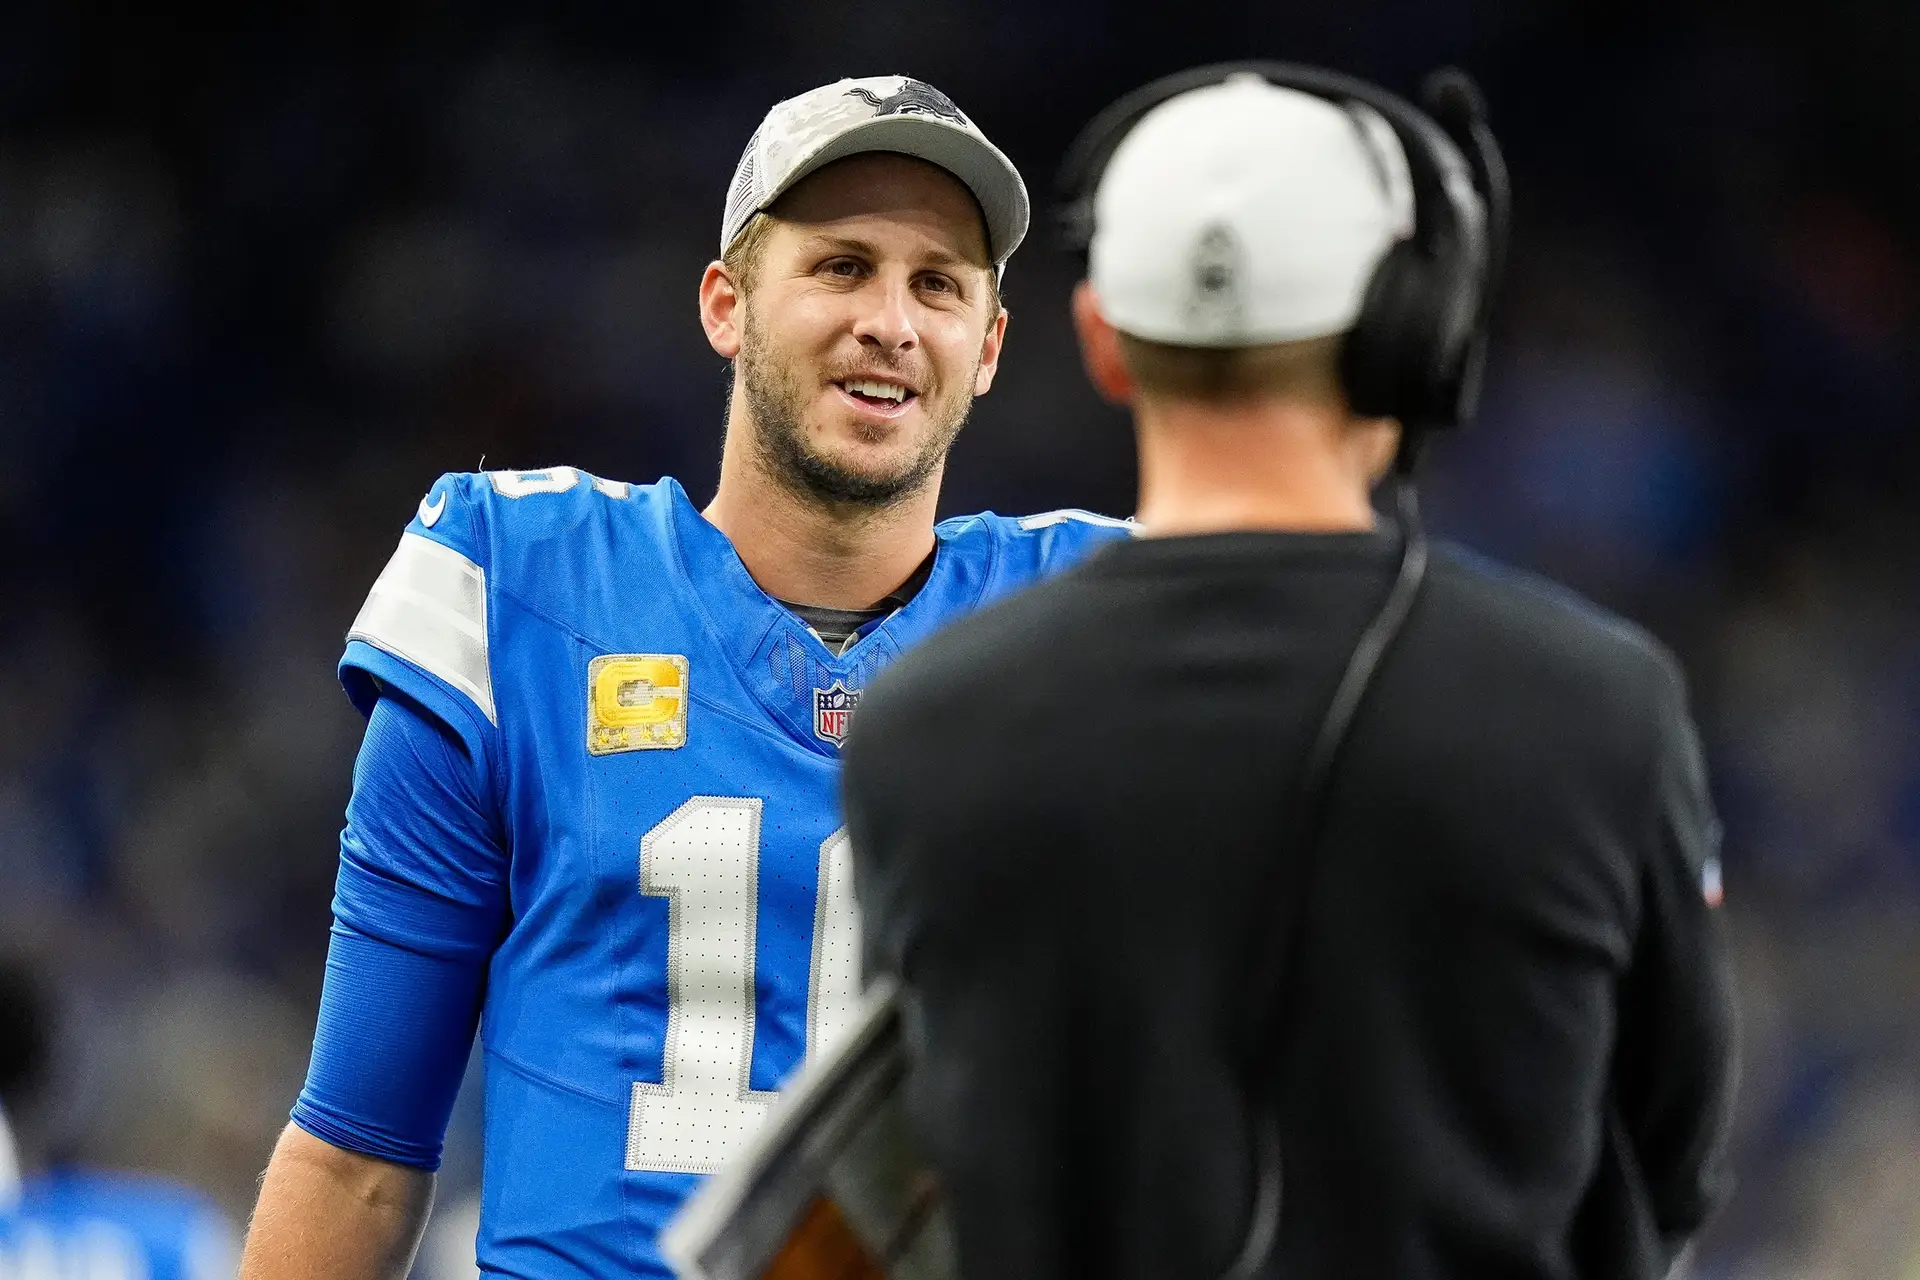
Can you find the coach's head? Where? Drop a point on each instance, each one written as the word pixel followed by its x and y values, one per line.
pixel 857 291
pixel 1234 232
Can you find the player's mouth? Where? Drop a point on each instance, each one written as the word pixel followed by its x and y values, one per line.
pixel 880 397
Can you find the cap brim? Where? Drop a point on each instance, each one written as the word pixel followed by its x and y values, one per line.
pixel 981 166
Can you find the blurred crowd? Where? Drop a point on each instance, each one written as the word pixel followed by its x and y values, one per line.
pixel 257 288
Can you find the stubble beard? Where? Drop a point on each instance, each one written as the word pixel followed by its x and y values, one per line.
pixel 777 398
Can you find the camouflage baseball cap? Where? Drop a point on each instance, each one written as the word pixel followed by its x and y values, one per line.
pixel 876 113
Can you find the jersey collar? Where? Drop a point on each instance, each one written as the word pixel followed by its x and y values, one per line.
pixel 778 658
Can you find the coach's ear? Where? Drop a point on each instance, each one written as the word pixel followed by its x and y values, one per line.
pixel 1100 348
pixel 720 310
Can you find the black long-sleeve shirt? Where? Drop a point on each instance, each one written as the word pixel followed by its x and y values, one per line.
pixel 1509 1050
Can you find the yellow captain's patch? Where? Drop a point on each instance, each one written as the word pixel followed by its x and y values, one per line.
pixel 636 702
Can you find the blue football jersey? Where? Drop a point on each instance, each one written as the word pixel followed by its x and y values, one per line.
pixel 79 1225
pixel 662 738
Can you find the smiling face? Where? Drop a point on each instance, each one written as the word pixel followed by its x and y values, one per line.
pixel 862 326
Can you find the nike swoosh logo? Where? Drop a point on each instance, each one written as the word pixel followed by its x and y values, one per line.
pixel 430 512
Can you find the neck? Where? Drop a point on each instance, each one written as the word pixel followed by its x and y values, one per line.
pixel 809 551
pixel 1257 464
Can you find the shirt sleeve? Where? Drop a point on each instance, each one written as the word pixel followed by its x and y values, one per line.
pixel 1674 1065
pixel 419 907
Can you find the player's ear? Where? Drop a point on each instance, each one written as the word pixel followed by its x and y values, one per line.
pixel 1100 348
pixel 722 310
pixel 990 354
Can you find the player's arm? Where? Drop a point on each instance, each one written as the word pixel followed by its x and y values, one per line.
pixel 420 906
pixel 1674 1063
pixel 328 1212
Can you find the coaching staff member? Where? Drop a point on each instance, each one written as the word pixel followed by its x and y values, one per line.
pixel 1210 969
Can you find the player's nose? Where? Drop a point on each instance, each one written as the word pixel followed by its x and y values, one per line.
pixel 885 318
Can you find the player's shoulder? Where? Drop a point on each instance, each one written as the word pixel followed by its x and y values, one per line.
pixel 481 513
pixel 537 537
pixel 1035 545
pixel 1065 525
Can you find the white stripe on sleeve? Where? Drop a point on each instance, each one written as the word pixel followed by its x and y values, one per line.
pixel 429 606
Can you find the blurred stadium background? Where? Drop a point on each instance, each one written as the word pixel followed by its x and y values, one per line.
pixel 260 284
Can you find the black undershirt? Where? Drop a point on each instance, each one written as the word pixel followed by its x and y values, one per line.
pixel 839 628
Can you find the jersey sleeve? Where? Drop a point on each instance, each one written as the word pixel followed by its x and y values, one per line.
pixel 420 905
pixel 423 630
pixel 1674 1072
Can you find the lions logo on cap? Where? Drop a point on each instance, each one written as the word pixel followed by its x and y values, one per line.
pixel 913 97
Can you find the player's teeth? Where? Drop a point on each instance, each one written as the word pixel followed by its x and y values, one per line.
pixel 878 390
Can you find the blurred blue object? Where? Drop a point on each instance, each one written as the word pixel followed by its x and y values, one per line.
pixel 69 1223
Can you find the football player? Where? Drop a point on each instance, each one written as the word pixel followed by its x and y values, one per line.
pixel 596 807
pixel 59 1219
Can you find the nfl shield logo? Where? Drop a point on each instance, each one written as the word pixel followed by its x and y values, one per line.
pixel 832 708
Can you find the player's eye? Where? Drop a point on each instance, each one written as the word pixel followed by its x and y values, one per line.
pixel 935 283
pixel 844 268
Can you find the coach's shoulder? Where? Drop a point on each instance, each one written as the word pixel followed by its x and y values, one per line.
pixel 1550 620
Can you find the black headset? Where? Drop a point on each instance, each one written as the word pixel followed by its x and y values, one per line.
pixel 1417 351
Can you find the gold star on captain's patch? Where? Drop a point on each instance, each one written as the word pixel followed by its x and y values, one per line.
pixel 636 702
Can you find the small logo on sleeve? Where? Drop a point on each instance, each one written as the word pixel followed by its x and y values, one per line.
pixel 1712 887
pixel 832 710
pixel 430 512
pixel 636 702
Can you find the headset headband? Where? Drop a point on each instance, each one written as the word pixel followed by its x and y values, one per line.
pixel 1460 193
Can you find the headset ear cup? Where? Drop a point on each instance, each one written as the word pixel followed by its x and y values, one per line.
pixel 1380 356
pixel 1407 354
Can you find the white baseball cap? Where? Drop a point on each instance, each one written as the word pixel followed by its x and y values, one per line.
pixel 876 113
pixel 1244 213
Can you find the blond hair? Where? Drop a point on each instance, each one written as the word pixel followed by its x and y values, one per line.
pixel 1308 369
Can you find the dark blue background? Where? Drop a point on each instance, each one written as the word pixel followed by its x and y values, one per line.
pixel 260 283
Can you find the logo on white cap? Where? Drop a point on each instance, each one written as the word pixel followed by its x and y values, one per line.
pixel 916 96
pixel 1218 301
pixel 896 114
pixel 1246 213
